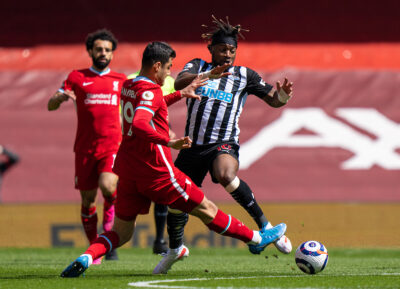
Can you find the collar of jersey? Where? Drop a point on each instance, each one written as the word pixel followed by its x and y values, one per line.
pixel 100 72
pixel 144 78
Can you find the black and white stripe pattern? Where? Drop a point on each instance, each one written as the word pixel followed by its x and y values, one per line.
pixel 215 118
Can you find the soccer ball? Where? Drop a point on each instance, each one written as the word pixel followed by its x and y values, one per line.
pixel 311 257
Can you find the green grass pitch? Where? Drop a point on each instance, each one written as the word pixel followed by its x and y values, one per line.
pixel 205 268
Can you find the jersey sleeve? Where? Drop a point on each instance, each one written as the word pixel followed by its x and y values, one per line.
pixel 191 67
pixel 69 83
pixel 148 102
pixel 173 97
pixel 256 85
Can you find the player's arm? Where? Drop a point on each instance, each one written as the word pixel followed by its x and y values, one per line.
pixel 58 98
pixel 142 128
pixel 275 97
pixel 186 77
pixel 189 91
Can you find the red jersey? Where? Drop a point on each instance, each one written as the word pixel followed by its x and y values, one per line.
pixel 143 153
pixel 97 104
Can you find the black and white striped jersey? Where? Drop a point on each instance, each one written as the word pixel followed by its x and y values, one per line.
pixel 215 118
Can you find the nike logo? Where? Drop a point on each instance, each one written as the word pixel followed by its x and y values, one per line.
pixel 87 83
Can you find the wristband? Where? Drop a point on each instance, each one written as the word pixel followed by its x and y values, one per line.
pixel 283 96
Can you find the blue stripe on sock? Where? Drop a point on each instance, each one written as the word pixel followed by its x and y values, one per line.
pixel 108 240
pixel 227 226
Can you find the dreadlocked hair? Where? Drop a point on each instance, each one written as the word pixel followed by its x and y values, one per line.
pixel 222 27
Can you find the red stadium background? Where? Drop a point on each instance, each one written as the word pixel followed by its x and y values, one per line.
pixel 338 139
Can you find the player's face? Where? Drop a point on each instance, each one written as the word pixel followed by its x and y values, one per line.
pixel 163 72
pixel 101 54
pixel 223 54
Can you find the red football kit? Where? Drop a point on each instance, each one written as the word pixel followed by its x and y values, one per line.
pixel 98 133
pixel 144 162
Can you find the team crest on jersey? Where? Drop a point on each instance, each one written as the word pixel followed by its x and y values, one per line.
pixel 116 85
pixel 224 148
pixel 147 95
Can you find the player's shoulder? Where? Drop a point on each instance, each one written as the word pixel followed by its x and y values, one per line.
pixel 119 75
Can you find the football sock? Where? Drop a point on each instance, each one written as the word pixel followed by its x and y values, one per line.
pixel 160 217
pixel 227 225
pixel 108 212
pixel 89 222
pixel 175 227
pixel 105 243
pixel 242 194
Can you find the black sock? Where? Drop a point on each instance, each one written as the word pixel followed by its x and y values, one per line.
pixel 175 227
pixel 160 217
pixel 245 197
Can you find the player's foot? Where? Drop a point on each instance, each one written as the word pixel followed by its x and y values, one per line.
pixel 170 258
pixel 267 237
pixel 97 261
pixel 283 244
pixel 108 218
pixel 112 256
pixel 160 247
pixel 76 268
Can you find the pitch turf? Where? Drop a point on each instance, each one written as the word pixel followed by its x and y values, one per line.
pixel 205 268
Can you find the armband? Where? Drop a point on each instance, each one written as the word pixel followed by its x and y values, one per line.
pixel 283 96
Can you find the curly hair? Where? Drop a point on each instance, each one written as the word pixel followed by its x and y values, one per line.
pixel 102 34
pixel 222 29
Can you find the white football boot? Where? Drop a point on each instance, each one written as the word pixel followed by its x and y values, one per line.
pixel 172 256
pixel 283 244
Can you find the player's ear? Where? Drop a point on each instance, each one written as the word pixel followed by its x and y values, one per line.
pixel 157 66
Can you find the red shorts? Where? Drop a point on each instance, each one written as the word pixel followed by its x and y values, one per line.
pixel 88 168
pixel 135 196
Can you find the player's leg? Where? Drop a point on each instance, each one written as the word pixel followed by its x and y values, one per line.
pixel 86 182
pixel 108 241
pixel 224 169
pixel 89 214
pixel 195 203
pixel 108 186
pixel 160 218
pixel 128 205
pixel 194 165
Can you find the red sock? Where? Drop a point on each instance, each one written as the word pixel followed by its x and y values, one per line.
pixel 89 222
pixel 110 200
pixel 103 244
pixel 227 225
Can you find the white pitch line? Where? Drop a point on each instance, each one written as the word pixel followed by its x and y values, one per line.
pixel 153 283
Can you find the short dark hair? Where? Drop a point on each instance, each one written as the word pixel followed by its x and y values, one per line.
pixel 102 34
pixel 157 51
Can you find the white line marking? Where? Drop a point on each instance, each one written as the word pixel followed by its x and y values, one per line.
pixel 152 284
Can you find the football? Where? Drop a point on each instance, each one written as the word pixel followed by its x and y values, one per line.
pixel 311 257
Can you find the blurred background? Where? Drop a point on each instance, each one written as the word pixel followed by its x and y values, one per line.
pixel 327 163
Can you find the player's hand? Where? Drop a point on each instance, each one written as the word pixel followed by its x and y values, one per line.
pixel 218 72
pixel 285 90
pixel 69 94
pixel 190 90
pixel 181 143
pixel 286 86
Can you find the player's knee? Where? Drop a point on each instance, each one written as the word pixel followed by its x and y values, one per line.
pixel 226 178
pixel 107 186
